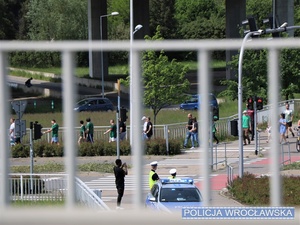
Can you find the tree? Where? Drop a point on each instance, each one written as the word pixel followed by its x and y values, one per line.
pixel 162 13
pixel 164 81
pixel 255 74
pixel 290 72
pixel 202 19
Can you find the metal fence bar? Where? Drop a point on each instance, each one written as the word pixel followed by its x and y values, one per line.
pixel 202 46
pixel 4 120
pixel 283 160
pixel 273 79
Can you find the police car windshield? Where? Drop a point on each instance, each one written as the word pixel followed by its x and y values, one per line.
pixel 180 195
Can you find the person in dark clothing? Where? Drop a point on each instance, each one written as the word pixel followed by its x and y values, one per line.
pixel 122 127
pixel 120 171
pixel 149 129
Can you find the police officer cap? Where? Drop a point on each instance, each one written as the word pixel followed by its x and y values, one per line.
pixel 172 171
pixel 154 163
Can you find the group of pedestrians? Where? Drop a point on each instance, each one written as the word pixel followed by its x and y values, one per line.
pixel 192 132
pixel 147 128
pixel 286 123
pixel 86 132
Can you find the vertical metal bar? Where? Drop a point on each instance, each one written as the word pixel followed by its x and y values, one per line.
pixel 204 116
pixel 166 131
pixel 70 146
pixel 273 80
pixel 137 143
pixel 4 144
pixel 131 71
pixel 90 38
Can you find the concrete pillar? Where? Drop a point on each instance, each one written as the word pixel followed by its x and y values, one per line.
pixel 97 8
pixel 285 13
pixel 235 14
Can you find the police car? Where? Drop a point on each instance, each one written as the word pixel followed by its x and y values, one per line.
pixel 171 195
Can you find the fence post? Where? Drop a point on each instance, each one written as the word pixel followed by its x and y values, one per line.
pixel 166 134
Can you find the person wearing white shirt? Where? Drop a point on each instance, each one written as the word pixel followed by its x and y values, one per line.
pixel 12 131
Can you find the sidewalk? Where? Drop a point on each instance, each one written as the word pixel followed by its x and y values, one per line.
pixel 189 164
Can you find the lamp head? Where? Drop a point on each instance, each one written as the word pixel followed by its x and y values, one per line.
pixel 114 13
pixel 138 27
pixel 284 25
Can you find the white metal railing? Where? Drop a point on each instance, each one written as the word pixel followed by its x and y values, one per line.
pixel 51 187
pixel 68 49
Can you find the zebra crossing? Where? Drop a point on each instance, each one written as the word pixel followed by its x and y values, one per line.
pixel 108 183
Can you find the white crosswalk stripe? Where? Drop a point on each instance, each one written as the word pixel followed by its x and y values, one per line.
pixel 108 183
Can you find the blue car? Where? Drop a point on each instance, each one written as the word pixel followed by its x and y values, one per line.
pixel 94 104
pixel 193 103
pixel 171 195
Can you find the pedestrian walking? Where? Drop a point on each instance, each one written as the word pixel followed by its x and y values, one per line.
pixel 246 127
pixel 120 171
pixel 89 131
pixel 214 130
pixel 54 129
pixel 81 132
pixel 268 130
pixel 189 127
pixel 149 129
pixel 144 136
pixel 282 128
pixel 153 176
pixel 12 135
pixel 289 120
pixel 194 133
pixel 112 131
pixel 122 127
pixel 251 115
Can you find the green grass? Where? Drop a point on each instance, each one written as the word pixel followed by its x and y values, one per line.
pixel 292 166
pixel 53 167
pixel 24 203
pixel 112 70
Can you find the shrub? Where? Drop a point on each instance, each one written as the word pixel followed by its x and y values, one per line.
pixel 20 151
pixel 155 146
pixel 255 191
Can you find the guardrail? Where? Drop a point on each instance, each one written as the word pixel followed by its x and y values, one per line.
pixel 51 187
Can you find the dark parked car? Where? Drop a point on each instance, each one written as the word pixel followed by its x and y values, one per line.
pixel 94 104
pixel 194 102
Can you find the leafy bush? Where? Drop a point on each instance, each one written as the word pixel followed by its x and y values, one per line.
pixel 98 148
pixel 20 151
pixel 255 191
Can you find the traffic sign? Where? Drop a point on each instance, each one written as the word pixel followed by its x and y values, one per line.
pixel 19 107
pixel 20 128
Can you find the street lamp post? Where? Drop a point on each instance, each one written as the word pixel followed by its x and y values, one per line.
pixel 240 101
pixel 136 29
pixel 102 67
pixel 283 28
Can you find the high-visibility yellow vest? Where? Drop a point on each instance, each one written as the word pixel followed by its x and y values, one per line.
pixel 151 182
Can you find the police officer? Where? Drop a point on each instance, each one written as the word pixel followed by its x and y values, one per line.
pixel 153 176
pixel 173 173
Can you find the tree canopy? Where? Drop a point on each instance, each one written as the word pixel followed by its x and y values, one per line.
pixel 164 81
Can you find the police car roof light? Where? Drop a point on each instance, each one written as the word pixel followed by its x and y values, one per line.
pixel 177 181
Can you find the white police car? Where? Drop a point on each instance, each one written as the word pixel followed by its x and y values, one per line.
pixel 171 195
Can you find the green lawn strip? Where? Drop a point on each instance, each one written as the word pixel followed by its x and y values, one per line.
pixel 52 167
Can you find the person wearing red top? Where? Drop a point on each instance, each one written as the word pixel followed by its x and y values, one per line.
pixel 250 113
